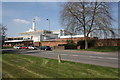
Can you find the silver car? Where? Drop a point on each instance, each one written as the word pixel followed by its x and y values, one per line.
pixel 32 47
pixel 17 47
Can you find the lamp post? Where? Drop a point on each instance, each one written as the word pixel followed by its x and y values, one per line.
pixel 49 23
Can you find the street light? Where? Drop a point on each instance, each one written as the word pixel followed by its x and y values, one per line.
pixel 49 23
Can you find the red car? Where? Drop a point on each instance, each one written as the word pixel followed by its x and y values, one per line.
pixel 24 47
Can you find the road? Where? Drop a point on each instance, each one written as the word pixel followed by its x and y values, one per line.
pixel 87 57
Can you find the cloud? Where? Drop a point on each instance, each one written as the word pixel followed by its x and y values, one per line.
pixel 21 21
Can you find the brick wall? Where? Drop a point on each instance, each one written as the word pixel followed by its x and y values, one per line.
pixel 107 42
pixel 75 39
pixel 37 44
pixel 59 47
pixel 24 43
pixel 58 41
pixel 98 42
pixel 52 43
pixel 64 39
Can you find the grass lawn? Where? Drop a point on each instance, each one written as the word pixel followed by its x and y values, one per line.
pixel 103 49
pixel 24 66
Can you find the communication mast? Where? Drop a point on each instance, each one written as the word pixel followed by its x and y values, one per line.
pixel 33 24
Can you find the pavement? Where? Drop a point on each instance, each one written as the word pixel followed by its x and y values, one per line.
pixel 109 59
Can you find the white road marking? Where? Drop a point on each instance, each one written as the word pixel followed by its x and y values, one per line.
pixel 75 55
pixel 91 56
pixel 112 58
pixel 51 53
pixel 102 57
pixel 99 57
pixel 63 54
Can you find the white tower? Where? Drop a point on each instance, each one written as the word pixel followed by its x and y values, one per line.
pixel 33 24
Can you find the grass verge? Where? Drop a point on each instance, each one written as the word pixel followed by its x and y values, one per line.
pixel 103 49
pixel 24 66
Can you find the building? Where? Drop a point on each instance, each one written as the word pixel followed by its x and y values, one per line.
pixel 19 41
pixel 37 37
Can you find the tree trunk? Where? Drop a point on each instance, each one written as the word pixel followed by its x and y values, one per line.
pixel 86 43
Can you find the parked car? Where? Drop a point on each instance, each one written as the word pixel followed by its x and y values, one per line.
pixel 24 47
pixel 45 48
pixel 32 47
pixel 17 47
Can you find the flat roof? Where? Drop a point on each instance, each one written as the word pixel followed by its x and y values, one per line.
pixel 14 37
pixel 16 40
pixel 31 32
pixel 37 31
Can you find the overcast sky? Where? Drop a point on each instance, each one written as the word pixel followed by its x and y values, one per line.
pixel 17 16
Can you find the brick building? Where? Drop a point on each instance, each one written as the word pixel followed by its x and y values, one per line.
pixel 52 38
pixel 42 37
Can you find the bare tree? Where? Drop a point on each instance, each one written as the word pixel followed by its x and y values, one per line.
pixel 87 18
pixel 2 33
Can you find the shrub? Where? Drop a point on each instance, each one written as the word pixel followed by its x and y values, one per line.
pixel 61 44
pixel 91 43
pixel 70 45
pixel 81 43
